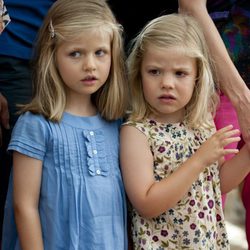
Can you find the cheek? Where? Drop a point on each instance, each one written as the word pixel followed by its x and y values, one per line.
pixel 148 91
pixel 188 92
pixel 107 66
pixel 149 85
pixel 67 72
pixel 63 71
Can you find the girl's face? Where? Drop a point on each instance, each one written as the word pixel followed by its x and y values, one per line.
pixel 168 80
pixel 84 64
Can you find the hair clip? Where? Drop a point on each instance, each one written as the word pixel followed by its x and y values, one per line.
pixel 51 29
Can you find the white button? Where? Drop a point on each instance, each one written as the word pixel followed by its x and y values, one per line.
pixel 94 152
pixel 91 133
pixel 98 171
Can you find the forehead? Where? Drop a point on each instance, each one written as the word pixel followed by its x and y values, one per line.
pixel 90 37
pixel 170 55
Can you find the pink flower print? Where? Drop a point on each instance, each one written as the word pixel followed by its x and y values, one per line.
pixel 201 215
pixel 218 217
pixel 192 203
pixel 161 149
pixel 210 203
pixel 155 239
pixel 164 233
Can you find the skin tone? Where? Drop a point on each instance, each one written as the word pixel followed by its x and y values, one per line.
pixel 168 84
pixel 84 65
pixel 230 80
pixel 164 73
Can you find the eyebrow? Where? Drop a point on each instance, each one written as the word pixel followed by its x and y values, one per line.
pixel 81 48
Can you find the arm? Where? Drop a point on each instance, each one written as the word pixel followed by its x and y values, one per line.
pixel 137 170
pixel 27 174
pixel 230 80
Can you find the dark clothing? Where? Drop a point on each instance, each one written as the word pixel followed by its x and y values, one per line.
pixel 26 17
pixel 16 48
pixel 15 83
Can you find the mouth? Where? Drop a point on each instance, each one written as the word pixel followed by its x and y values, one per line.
pixel 167 97
pixel 89 78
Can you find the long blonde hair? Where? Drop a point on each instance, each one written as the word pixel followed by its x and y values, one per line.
pixel 64 21
pixel 170 31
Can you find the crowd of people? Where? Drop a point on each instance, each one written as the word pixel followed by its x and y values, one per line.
pixel 122 128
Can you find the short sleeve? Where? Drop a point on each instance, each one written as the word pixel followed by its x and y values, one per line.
pixel 30 136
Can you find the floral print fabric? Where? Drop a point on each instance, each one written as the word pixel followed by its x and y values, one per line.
pixel 197 221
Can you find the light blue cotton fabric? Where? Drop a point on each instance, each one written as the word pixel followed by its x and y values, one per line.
pixel 82 201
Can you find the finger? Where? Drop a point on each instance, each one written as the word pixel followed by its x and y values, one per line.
pixel 230 140
pixel 231 133
pixel 225 133
pixel 225 129
pixel 231 151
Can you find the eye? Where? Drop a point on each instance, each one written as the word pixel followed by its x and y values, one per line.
pixel 75 54
pixel 180 73
pixel 100 52
pixel 154 72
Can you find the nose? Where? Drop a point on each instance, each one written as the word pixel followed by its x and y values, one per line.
pixel 89 63
pixel 167 81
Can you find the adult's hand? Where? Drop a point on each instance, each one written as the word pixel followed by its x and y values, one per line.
pixel 4 115
pixel 191 6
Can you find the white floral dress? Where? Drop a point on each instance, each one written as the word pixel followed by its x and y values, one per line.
pixel 197 221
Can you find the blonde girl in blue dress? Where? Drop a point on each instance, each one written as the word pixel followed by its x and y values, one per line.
pixel 67 190
pixel 171 154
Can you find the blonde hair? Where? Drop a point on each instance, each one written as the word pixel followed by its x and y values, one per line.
pixel 64 21
pixel 165 32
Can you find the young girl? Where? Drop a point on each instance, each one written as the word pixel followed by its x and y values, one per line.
pixel 171 155
pixel 67 186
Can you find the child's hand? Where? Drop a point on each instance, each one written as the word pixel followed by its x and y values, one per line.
pixel 214 149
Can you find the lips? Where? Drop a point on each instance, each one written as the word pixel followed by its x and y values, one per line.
pixel 89 78
pixel 167 97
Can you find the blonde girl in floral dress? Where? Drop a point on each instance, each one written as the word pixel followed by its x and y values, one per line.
pixel 172 157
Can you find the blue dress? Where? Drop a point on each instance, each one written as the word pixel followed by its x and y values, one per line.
pixel 82 199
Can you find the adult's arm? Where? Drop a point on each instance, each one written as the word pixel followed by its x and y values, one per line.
pixel 229 78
